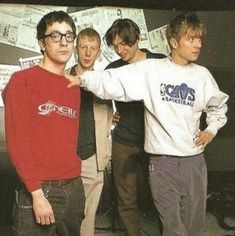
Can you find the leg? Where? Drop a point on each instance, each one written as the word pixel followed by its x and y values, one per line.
pixel 70 208
pixel 24 222
pixel 179 192
pixel 193 204
pixel 93 183
pixel 145 201
pixel 124 163
pixel 164 183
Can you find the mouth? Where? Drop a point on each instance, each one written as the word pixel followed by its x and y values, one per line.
pixel 86 61
pixel 63 52
pixel 196 53
pixel 122 56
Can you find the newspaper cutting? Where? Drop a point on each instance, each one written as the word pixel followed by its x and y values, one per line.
pixel 29 61
pixel 158 40
pixel 33 61
pixel 5 74
pixel 18 24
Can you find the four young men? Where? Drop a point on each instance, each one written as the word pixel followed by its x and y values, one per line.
pixel 42 118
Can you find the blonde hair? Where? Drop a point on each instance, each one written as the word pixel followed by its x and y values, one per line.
pixel 90 33
pixel 179 25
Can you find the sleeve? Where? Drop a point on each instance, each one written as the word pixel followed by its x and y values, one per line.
pixel 18 126
pixel 126 83
pixel 216 107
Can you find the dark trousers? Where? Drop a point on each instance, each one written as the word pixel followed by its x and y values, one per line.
pixel 67 200
pixel 125 160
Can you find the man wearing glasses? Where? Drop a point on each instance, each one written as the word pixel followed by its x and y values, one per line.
pixel 41 117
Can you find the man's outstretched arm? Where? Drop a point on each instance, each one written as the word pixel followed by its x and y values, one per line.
pixel 126 83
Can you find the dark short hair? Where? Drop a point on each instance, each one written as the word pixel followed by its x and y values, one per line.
pixel 52 17
pixel 90 33
pixel 126 29
pixel 181 23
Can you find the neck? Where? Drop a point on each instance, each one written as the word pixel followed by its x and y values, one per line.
pixel 179 60
pixel 139 56
pixel 55 68
pixel 80 69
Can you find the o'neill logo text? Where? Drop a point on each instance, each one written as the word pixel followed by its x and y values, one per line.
pixel 49 107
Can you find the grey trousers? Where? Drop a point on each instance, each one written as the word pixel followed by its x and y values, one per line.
pixel 179 187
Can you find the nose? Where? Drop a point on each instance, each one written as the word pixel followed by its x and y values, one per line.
pixel 119 48
pixel 198 43
pixel 88 52
pixel 63 40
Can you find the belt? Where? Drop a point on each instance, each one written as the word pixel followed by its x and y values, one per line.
pixel 172 156
pixel 58 182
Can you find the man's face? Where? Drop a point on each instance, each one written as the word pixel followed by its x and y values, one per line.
pixel 187 49
pixel 126 52
pixel 56 50
pixel 88 49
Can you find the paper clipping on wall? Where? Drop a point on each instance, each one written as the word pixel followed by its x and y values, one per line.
pixel 33 61
pixel 158 40
pixel 11 17
pixel 29 61
pixel 19 22
pixel 5 74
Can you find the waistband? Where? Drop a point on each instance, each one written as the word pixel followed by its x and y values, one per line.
pixel 59 182
pixel 172 156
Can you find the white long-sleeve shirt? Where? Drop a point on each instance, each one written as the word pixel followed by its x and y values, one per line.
pixel 174 97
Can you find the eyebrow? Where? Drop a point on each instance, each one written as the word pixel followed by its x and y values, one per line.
pixel 119 43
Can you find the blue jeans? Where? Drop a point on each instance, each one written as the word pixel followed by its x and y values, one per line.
pixel 68 202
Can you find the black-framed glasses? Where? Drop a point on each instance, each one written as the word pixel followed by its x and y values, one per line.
pixel 56 36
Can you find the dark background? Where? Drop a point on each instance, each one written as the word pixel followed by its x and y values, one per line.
pixel 195 5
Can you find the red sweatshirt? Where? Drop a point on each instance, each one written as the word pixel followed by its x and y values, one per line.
pixel 41 118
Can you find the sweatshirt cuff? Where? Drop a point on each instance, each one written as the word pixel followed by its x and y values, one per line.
pixel 32 185
pixel 212 129
pixel 83 80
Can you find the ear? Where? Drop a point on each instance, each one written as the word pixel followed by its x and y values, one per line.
pixel 41 45
pixel 174 43
pixel 99 53
pixel 76 50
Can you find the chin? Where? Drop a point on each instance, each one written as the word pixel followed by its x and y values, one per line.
pixel 193 59
pixel 125 59
pixel 64 59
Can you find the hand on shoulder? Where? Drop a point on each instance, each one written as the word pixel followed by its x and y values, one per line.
pixel 74 80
